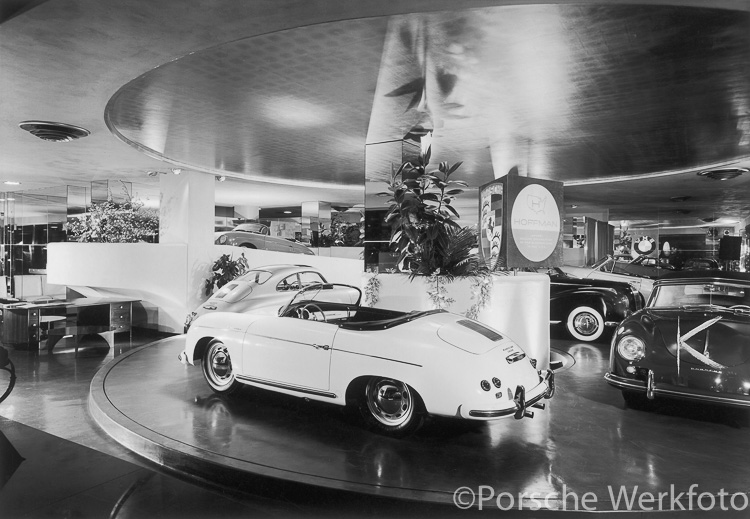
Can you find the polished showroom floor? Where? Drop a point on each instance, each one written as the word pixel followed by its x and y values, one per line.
pixel 275 456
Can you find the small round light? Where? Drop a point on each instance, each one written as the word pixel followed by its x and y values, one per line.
pixel 222 239
pixel 485 385
pixel 631 348
pixel 496 382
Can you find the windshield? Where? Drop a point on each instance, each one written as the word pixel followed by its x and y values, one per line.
pixel 606 264
pixel 701 295
pixel 328 293
pixel 258 228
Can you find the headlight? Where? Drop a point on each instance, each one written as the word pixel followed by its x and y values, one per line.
pixel 631 348
pixel 222 239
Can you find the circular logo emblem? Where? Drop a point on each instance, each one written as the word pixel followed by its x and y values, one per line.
pixel 535 222
pixel 645 245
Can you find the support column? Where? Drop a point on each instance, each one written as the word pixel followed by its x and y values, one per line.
pixel 186 216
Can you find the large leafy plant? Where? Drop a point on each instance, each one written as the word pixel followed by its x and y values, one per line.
pixel 423 231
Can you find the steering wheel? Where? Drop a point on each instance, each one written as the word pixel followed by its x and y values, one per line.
pixel 309 312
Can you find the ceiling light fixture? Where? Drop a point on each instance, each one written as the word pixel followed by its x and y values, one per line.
pixel 54 132
pixel 12 183
pixel 287 212
pixel 723 173
pixel 176 171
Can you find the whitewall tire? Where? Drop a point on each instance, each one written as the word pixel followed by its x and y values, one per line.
pixel 585 324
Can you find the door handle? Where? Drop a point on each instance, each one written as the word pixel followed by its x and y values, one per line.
pixel 321 346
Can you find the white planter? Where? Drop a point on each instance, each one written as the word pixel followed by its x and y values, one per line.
pixel 518 305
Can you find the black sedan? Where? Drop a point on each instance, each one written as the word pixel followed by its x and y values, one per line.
pixel 587 306
pixel 692 341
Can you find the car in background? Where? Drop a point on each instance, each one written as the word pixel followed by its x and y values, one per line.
pixel 394 367
pixel 700 264
pixel 258 236
pixel 588 306
pixel 691 341
pixel 268 287
pixel 607 268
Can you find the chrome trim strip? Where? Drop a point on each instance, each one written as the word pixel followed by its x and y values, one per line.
pixel 290 387
pixel 316 346
pixel 376 357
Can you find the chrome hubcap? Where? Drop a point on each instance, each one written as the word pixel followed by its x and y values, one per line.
pixel 389 401
pixel 220 365
pixel 585 323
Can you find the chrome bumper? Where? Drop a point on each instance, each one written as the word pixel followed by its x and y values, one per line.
pixel 521 404
pixel 652 390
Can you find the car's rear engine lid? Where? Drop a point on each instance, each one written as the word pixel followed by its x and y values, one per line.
pixel 470 336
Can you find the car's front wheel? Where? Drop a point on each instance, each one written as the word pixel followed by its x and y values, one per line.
pixel 391 407
pixel 585 323
pixel 217 368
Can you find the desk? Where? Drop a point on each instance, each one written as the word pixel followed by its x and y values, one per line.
pixel 28 324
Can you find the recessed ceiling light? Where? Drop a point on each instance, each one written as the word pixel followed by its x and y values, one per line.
pixel 287 212
pixel 723 174
pixel 10 199
pixel 12 183
pixel 54 132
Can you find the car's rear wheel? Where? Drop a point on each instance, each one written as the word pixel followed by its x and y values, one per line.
pixel 217 368
pixel 248 245
pixel 637 400
pixel 391 407
pixel 585 323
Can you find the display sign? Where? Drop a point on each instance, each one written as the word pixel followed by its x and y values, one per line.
pixel 520 222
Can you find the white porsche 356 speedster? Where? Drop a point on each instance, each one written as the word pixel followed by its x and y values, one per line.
pixel 395 367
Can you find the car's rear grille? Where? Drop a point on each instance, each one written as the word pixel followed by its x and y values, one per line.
pixel 472 325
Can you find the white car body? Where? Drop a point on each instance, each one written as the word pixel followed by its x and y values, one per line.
pixel 268 287
pixel 258 236
pixel 608 270
pixel 445 358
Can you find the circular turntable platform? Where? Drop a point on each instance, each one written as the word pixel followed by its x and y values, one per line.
pixel 585 441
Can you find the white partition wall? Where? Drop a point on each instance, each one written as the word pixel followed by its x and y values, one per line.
pixel 165 276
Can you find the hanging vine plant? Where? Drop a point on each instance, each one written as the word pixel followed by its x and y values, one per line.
pixel 115 222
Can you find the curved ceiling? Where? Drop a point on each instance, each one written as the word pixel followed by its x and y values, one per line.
pixel 289 95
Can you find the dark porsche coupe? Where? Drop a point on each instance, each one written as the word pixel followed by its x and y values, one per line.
pixel 692 341
pixel 587 306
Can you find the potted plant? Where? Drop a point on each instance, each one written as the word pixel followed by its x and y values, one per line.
pixel 423 232
pixel 224 270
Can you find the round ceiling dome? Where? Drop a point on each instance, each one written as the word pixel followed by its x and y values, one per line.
pixel 54 132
